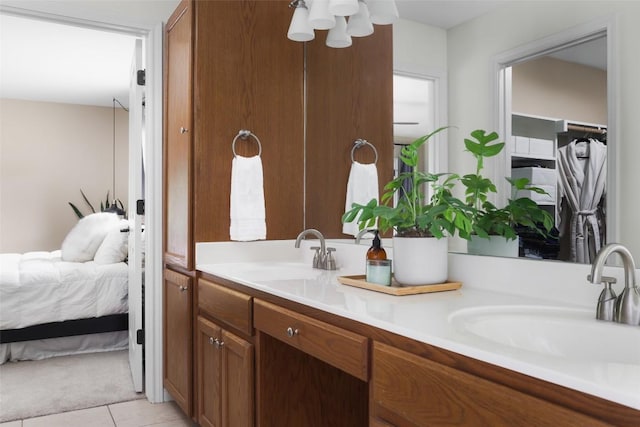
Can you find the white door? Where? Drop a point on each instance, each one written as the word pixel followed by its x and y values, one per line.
pixel 136 242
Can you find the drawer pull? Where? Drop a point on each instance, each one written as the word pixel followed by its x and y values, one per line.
pixel 291 332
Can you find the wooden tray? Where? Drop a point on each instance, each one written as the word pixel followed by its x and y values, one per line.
pixel 395 289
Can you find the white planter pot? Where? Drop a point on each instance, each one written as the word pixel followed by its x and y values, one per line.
pixel 420 260
pixel 493 246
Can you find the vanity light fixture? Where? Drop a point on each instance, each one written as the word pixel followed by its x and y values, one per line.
pixel 300 30
pixel 343 18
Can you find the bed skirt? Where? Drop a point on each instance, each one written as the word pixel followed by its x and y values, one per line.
pixel 45 348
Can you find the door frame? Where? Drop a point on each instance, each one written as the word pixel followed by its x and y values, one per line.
pixel 153 54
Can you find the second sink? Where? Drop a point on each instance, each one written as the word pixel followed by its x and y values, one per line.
pixel 569 333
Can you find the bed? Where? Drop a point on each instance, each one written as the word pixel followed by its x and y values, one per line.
pixel 72 300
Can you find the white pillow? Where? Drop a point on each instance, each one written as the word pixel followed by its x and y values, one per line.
pixel 82 242
pixel 115 246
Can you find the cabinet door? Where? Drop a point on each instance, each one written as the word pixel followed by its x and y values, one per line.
pixel 408 390
pixel 178 148
pixel 237 381
pixel 177 330
pixel 209 374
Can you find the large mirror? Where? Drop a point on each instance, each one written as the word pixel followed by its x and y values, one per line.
pixel 525 35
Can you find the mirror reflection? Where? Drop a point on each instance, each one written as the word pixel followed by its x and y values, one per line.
pixel 578 116
pixel 558 142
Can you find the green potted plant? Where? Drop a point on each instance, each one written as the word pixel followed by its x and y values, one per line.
pixel 420 223
pixel 494 229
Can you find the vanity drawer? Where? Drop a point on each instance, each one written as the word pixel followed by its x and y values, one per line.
pixel 224 304
pixel 338 347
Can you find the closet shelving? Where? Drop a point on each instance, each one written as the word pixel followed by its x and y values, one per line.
pixel 534 143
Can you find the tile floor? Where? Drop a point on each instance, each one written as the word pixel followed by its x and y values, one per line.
pixel 136 413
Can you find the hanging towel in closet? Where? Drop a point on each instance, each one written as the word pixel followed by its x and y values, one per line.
pixel 361 188
pixel 247 200
pixel 582 184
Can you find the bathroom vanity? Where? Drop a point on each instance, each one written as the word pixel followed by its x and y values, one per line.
pixel 278 343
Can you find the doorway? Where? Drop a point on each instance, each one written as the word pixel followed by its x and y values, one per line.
pixel 152 127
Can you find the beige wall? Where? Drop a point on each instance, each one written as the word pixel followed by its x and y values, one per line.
pixel 550 87
pixel 48 152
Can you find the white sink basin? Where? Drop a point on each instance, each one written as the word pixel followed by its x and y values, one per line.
pixel 563 332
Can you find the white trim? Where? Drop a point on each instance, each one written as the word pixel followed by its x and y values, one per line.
pixel 153 43
pixel 76 22
pixel 438 154
pixel 502 107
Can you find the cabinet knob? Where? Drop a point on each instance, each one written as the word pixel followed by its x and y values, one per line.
pixel 183 130
pixel 291 332
pixel 211 340
pixel 183 288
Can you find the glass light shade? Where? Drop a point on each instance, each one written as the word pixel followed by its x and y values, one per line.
pixel 299 29
pixel 319 16
pixel 337 36
pixel 359 24
pixel 383 12
pixel 343 7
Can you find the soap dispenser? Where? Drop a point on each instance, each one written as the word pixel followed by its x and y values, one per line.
pixel 376 251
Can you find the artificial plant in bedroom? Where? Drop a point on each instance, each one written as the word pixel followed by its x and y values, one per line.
pixel 103 206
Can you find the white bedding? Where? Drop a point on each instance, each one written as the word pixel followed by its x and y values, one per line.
pixel 38 287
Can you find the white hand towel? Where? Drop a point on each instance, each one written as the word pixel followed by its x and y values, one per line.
pixel 361 188
pixel 247 200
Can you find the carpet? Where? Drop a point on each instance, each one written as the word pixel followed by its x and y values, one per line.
pixel 59 384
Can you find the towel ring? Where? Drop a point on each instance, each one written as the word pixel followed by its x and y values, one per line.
pixel 244 134
pixel 362 142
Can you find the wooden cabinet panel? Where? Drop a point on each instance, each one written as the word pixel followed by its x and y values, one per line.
pixel 248 75
pixel 177 334
pixel 340 348
pixel 407 390
pixel 349 96
pixel 229 306
pixel 225 377
pixel 209 374
pixel 295 389
pixel 238 381
pixel 178 130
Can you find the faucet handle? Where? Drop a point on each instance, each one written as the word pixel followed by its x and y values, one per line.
pixel 605 308
pixel 317 258
pixel 605 279
pixel 330 262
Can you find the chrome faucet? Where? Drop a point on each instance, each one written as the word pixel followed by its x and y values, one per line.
pixel 362 232
pixel 627 304
pixel 323 258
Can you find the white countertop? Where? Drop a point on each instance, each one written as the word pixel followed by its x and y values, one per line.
pixel 425 317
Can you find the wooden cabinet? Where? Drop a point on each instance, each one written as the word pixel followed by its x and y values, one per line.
pixel 178 130
pixel 225 377
pixel 177 337
pixel 229 66
pixel 337 347
pixel 408 390
pixel 309 373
